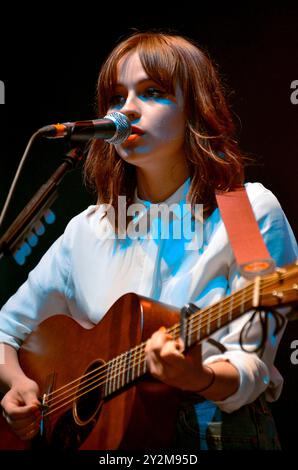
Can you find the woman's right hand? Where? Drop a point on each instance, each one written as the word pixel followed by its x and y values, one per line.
pixel 21 408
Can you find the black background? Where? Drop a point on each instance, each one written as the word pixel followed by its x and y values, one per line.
pixel 49 65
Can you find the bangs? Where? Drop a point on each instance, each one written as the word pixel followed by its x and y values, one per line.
pixel 159 58
pixel 160 64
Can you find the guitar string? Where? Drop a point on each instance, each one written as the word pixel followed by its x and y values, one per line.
pixel 141 356
pixel 212 311
pixel 139 349
pixel 177 328
pixel 76 396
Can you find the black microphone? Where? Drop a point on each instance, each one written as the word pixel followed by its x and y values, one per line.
pixel 114 128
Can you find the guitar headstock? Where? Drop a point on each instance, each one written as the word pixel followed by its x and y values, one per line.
pixel 280 287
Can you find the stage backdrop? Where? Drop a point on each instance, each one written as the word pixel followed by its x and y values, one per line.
pixel 50 75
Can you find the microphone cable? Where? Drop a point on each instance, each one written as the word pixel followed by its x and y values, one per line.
pixel 16 177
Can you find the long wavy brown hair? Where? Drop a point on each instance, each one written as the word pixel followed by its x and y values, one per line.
pixel 214 159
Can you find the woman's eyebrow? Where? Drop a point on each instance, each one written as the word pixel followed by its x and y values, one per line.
pixel 138 82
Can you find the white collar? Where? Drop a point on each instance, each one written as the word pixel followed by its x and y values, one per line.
pixel 178 199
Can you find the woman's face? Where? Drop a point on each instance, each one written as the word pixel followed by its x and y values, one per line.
pixel 157 118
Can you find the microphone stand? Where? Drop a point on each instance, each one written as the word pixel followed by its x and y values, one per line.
pixel 38 204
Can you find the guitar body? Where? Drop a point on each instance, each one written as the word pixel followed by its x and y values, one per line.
pixel 139 416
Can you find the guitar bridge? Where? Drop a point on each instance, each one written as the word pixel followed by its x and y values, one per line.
pixel 49 386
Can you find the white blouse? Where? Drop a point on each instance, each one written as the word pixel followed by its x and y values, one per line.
pixel 87 269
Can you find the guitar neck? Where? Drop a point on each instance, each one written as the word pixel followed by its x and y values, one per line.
pixel 275 289
pixel 205 322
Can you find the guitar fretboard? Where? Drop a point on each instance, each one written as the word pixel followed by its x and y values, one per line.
pixel 124 369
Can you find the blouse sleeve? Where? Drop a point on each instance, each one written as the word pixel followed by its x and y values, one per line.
pixel 42 295
pixel 257 371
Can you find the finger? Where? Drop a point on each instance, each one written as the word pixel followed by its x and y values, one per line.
pixel 31 398
pixel 156 367
pixel 180 346
pixel 161 333
pixel 157 341
pixel 171 352
pixel 17 413
pixel 167 362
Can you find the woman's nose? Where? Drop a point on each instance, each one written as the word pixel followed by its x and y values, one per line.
pixel 131 108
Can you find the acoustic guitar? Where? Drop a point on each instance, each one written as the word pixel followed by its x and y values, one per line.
pixel 96 392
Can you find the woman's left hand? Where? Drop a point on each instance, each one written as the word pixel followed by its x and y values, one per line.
pixel 167 362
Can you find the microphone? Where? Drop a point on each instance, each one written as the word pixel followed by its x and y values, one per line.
pixel 113 128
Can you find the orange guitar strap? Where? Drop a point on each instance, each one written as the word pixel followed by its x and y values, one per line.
pixel 250 251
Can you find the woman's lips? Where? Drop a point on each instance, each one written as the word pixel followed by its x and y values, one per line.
pixel 136 130
pixel 136 133
pixel 132 137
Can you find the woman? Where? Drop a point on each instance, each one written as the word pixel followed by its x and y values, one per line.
pixel 181 150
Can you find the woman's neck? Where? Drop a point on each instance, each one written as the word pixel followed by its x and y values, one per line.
pixel 157 186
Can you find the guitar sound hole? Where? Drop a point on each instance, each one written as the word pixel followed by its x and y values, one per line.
pixel 89 394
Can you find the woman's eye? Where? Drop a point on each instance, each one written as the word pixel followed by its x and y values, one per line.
pixel 117 100
pixel 153 92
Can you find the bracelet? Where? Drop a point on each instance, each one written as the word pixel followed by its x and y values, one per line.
pixel 210 383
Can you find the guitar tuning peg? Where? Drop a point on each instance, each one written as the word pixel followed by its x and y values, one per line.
pixel 26 249
pixel 32 239
pixel 39 228
pixel 19 257
pixel 21 253
pixel 49 216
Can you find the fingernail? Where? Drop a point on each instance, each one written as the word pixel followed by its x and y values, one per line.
pixel 162 328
